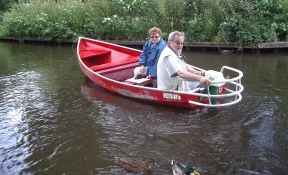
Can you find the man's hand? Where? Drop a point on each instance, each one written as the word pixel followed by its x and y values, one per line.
pixel 205 81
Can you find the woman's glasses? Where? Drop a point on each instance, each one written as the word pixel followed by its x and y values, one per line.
pixel 154 37
pixel 178 43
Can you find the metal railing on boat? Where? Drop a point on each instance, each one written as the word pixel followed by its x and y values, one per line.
pixel 234 94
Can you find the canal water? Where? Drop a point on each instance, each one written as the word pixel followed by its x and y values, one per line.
pixel 53 120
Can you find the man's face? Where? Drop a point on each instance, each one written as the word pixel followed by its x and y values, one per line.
pixel 177 43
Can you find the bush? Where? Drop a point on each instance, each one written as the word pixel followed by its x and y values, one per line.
pixel 238 21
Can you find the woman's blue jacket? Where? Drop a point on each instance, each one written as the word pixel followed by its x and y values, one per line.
pixel 150 55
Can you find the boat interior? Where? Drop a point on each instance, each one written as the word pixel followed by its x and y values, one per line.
pixel 112 62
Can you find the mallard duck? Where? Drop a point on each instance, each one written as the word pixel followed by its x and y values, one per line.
pixel 180 169
pixel 134 165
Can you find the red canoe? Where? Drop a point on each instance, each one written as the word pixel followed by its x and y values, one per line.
pixel 111 66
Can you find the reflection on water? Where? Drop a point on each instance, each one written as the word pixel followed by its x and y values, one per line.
pixel 55 121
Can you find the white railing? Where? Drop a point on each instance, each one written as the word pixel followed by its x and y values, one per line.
pixel 232 94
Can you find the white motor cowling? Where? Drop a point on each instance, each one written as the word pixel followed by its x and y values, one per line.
pixel 215 76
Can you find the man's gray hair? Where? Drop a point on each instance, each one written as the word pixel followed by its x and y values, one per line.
pixel 172 35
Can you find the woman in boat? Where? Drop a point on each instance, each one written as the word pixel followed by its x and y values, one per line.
pixel 150 55
pixel 172 67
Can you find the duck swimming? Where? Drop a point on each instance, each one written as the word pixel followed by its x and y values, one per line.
pixel 180 169
pixel 134 165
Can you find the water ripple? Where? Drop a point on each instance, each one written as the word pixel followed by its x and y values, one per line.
pixel 54 123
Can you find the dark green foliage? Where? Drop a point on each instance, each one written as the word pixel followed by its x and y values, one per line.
pixel 6 4
pixel 235 21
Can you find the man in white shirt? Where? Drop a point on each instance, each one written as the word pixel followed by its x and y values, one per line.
pixel 172 67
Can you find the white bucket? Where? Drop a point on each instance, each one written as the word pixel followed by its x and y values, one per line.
pixel 215 76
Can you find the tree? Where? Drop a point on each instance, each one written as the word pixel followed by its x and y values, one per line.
pixel 6 4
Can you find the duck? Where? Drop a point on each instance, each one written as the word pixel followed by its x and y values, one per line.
pixel 225 51
pixel 135 165
pixel 180 169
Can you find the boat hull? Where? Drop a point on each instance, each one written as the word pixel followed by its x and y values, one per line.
pixel 113 70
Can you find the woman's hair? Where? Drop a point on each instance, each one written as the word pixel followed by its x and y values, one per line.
pixel 154 31
pixel 172 35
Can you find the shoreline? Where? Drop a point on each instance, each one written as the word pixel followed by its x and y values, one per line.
pixel 204 46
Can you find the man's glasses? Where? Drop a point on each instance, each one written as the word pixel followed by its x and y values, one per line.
pixel 154 37
pixel 178 43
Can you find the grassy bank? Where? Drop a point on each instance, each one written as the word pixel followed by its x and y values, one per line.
pixel 234 21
